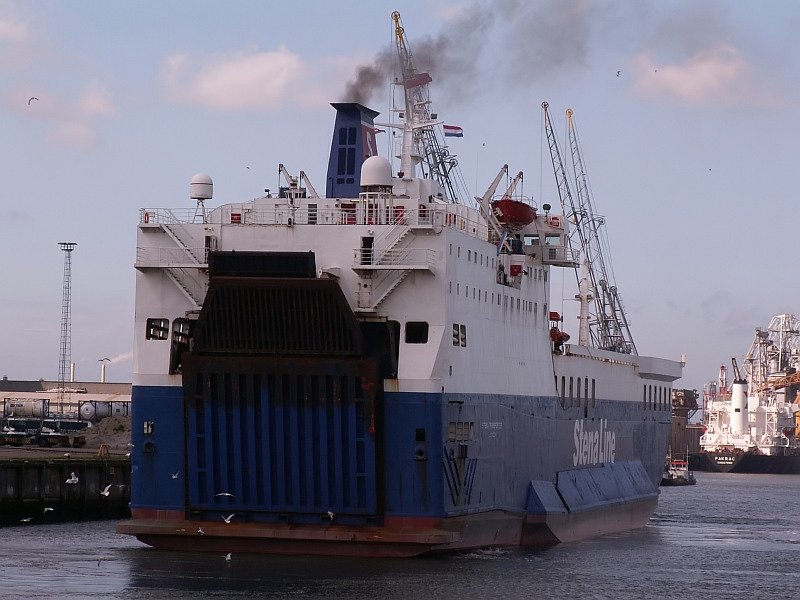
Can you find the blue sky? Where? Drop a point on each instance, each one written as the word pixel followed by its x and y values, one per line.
pixel 691 150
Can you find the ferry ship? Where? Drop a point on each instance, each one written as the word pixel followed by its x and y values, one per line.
pixel 380 371
pixel 751 424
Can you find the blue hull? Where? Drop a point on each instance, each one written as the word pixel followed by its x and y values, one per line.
pixel 323 463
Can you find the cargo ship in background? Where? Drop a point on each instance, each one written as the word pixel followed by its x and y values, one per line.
pixel 381 371
pixel 751 424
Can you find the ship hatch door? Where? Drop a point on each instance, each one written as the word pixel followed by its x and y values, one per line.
pixel 281 439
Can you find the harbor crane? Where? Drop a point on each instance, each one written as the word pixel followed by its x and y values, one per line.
pixel 607 326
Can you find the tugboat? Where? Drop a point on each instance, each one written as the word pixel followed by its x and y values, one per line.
pixel 677 472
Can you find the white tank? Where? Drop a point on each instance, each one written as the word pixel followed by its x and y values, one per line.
pixel 201 187
pixel 376 171
pixel 26 407
pixel 739 408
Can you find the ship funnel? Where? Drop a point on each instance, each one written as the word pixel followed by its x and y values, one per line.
pixel 739 407
pixel 353 142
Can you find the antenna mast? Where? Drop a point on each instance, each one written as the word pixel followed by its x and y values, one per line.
pixel 65 355
pixel 421 140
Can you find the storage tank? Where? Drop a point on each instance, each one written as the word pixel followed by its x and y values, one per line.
pixel 94 410
pixel 37 408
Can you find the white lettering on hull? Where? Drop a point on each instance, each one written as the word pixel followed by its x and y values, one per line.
pixel 594 446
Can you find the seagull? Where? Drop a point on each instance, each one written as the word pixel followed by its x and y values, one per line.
pixel 330 515
pixel 226 494
pixel 175 474
pixel 31 99
pixel 228 557
pixel 618 72
pixel 73 478
pixel 48 508
pixel 26 520
pixel 228 518
pixel 66 455
pixel 106 491
pixel 200 531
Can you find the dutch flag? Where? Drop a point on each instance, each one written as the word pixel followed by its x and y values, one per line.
pixel 453 131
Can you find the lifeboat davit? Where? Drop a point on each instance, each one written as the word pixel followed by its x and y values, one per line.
pixel 513 213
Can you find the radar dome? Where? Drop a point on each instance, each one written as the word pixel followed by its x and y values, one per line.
pixel 376 170
pixel 201 187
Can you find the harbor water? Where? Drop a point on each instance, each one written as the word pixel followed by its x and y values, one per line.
pixel 729 536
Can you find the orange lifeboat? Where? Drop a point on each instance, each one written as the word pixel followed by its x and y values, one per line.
pixel 513 213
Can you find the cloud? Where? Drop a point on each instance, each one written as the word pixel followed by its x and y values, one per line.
pixel 96 100
pixel 243 80
pixel 714 75
pixel 13 31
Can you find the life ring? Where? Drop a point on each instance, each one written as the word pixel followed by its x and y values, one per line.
pixel 146 217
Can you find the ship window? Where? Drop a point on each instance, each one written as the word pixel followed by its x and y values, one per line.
pixel 578 391
pixel 451 431
pixel 644 397
pixel 180 344
pixel 157 329
pixel 530 239
pixel 351 161
pixel 594 398
pixel 545 276
pixel 458 251
pixel 552 240
pixel 343 136
pixel 463 335
pixel 458 288
pixel 342 162
pixel 451 287
pixel 586 391
pixel 312 214
pixel 485 295
pixel 563 390
pixel 469 255
pixel 351 136
pixel 416 332
pixel 451 249
pixel 456 337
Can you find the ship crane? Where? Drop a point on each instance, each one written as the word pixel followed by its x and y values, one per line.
pixel 737 374
pixel 485 206
pixel 513 186
pixel 608 326
pixel 421 141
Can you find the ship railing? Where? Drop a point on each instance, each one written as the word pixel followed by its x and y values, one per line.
pixel 169 257
pixel 433 216
pixel 170 216
pixel 402 258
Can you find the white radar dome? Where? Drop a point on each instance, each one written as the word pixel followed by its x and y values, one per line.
pixel 376 170
pixel 201 187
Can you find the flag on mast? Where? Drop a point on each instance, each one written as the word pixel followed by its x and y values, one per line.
pixel 453 131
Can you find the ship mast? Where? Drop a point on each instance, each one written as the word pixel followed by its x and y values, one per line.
pixel 608 326
pixel 422 142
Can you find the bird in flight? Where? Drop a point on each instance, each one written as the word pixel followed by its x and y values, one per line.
pixel 31 99
pixel 228 556
pixel 226 494
pixel 72 478
pixel 200 531
pixel 330 514
pixel 175 474
pixel 228 518
pixel 26 520
pixel 618 72
pixel 106 491
pixel 48 508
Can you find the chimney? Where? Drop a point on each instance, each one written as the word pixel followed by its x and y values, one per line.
pixel 353 141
